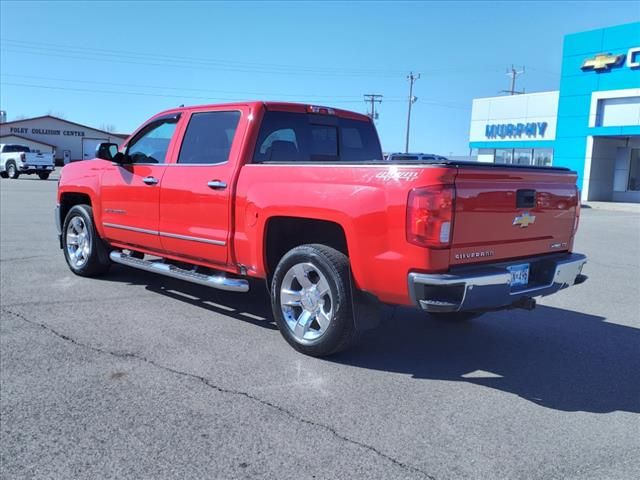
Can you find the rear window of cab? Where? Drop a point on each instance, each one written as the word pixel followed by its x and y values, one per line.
pixel 287 137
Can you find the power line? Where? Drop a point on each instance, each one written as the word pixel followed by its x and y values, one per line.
pixel 513 73
pixel 148 94
pixel 137 85
pixel 412 99
pixel 145 58
pixel 373 98
pixel 181 59
pixel 142 94
pixel 194 65
pixel 239 96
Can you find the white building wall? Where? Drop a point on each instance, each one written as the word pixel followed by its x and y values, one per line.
pixel 613 108
pixel 64 135
pixel 524 109
pixel 616 112
pixel 33 146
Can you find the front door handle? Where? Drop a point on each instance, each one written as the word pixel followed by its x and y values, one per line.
pixel 217 185
pixel 150 180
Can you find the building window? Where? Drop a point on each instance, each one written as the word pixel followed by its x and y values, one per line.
pixel 634 171
pixel 543 157
pixel 504 155
pixel 522 156
pixel 540 157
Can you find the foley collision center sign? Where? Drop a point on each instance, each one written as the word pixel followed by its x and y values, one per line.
pixel 46 131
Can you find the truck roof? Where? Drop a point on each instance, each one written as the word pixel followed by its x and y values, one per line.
pixel 275 106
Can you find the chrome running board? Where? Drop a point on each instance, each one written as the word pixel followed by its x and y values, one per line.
pixel 219 281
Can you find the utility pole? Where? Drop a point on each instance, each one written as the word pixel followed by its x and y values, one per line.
pixel 513 73
pixel 412 78
pixel 373 98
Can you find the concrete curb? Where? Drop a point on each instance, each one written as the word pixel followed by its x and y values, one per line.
pixel 613 206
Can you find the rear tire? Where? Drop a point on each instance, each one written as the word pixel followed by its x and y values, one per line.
pixel 455 317
pixel 43 175
pixel 12 170
pixel 4 175
pixel 84 250
pixel 311 300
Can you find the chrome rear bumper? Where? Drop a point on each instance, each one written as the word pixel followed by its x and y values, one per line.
pixel 488 287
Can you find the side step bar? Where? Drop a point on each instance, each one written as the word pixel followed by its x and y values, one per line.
pixel 220 281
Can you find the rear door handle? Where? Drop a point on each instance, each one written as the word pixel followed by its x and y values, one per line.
pixel 150 180
pixel 217 185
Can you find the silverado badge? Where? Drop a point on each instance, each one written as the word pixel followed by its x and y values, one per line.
pixel 524 220
pixel 602 62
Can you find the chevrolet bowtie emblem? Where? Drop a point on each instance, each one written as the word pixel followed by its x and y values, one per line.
pixel 524 220
pixel 602 62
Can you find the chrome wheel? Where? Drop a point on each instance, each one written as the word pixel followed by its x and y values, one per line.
pixel 306 301
pixel 78 237
pixel 11 170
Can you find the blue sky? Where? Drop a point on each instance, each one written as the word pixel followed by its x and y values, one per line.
pixel 118 63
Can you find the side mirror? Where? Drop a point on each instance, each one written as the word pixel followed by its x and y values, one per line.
pixel 107 151
pixel 119 158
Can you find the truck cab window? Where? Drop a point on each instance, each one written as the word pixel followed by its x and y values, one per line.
pixel 209 137
pixel 300 137
pixel 152 143
pixel 282 135
pixel 324 143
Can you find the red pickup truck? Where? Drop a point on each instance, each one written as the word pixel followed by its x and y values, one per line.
pixel 300 196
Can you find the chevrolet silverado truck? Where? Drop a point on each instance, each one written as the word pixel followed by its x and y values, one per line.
pixel 16 160
pixel 301 197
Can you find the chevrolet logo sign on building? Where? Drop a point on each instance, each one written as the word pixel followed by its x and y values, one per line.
pixel 602 62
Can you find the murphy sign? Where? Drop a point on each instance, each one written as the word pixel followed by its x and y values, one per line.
pixel 516 130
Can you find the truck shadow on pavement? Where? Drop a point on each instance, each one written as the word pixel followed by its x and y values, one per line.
pixel 252 307
pixel 556 358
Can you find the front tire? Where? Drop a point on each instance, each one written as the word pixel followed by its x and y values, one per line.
pixel 43 175
pixel 4 175
pixel 84 250
pixel 12 170
pixel 311 300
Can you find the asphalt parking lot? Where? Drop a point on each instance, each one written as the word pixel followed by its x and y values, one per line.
pixel 139 376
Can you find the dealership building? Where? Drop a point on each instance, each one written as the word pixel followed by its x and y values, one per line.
pixel 69 141
pixel 591 124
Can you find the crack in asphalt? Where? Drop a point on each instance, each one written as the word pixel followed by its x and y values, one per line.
pixel 210 384
pixel 64 302
pixel 20 259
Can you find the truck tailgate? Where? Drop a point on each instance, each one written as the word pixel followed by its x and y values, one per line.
pixel 35 159
pixel 504 213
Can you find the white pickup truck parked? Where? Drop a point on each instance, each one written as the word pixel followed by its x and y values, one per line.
pixel 16 160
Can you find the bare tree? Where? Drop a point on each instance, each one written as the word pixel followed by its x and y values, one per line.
pixel 53 113
pixel 108 127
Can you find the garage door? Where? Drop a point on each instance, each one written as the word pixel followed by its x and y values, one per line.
pixel 89 146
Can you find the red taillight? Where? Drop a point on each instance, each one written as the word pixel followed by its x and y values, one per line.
pixel 430 216
pixel 23 157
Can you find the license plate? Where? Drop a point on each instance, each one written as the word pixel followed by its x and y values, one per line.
pixel 519 274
